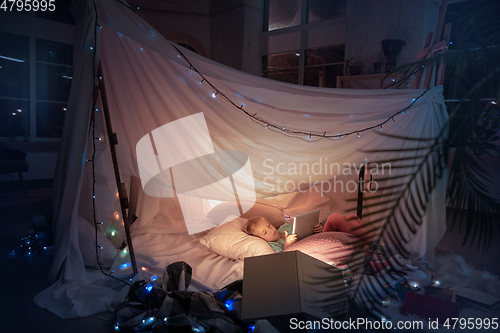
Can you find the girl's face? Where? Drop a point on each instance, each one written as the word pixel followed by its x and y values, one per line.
pixel 266 231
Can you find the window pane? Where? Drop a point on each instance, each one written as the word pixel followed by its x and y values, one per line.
pixel 54 52
pixel 14 67
pixel 50 119
pixel 14 117
pixel 325 55
pixel 280 60
pixel 323 76
pixel 320 10
pixel 286 75
pixel 53 82
pixel 61 13
pixel 283 13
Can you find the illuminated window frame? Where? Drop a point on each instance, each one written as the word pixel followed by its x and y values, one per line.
pixel 35 28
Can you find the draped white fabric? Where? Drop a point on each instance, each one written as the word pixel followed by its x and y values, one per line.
pixel 149 85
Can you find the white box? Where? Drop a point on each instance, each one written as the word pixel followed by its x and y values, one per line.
pixel 291 283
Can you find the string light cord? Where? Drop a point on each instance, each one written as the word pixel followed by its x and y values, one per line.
pixel 93 159
pixel 415 70
pixel 282 129
pixel 149 317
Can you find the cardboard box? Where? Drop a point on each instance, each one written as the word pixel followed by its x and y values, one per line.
pixel 430 308
pixel 291 283
pixel 397 289
pixel 476 298
pixel 441 293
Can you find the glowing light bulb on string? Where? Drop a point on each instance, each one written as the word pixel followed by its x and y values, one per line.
pixel 229 304
pixel 125 265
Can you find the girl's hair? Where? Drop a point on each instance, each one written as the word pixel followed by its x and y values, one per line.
pixel 248 228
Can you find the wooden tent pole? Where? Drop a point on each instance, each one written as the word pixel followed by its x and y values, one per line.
pixel 121 188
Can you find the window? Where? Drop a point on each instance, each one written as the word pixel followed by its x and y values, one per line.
pixel 287 13
pixel 283 14
pixel 14 85
pixel 54 72
pixel 303 41
pixel 322 66
pixel 319 10
pixel 282 67
pixel 35 79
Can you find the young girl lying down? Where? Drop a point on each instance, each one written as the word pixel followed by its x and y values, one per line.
pixel 281 238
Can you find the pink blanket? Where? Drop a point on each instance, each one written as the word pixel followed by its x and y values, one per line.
pixel 329 247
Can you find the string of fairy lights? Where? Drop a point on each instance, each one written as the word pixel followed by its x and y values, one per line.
pixel 150 318
pixel 298 133
pixel 253 116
